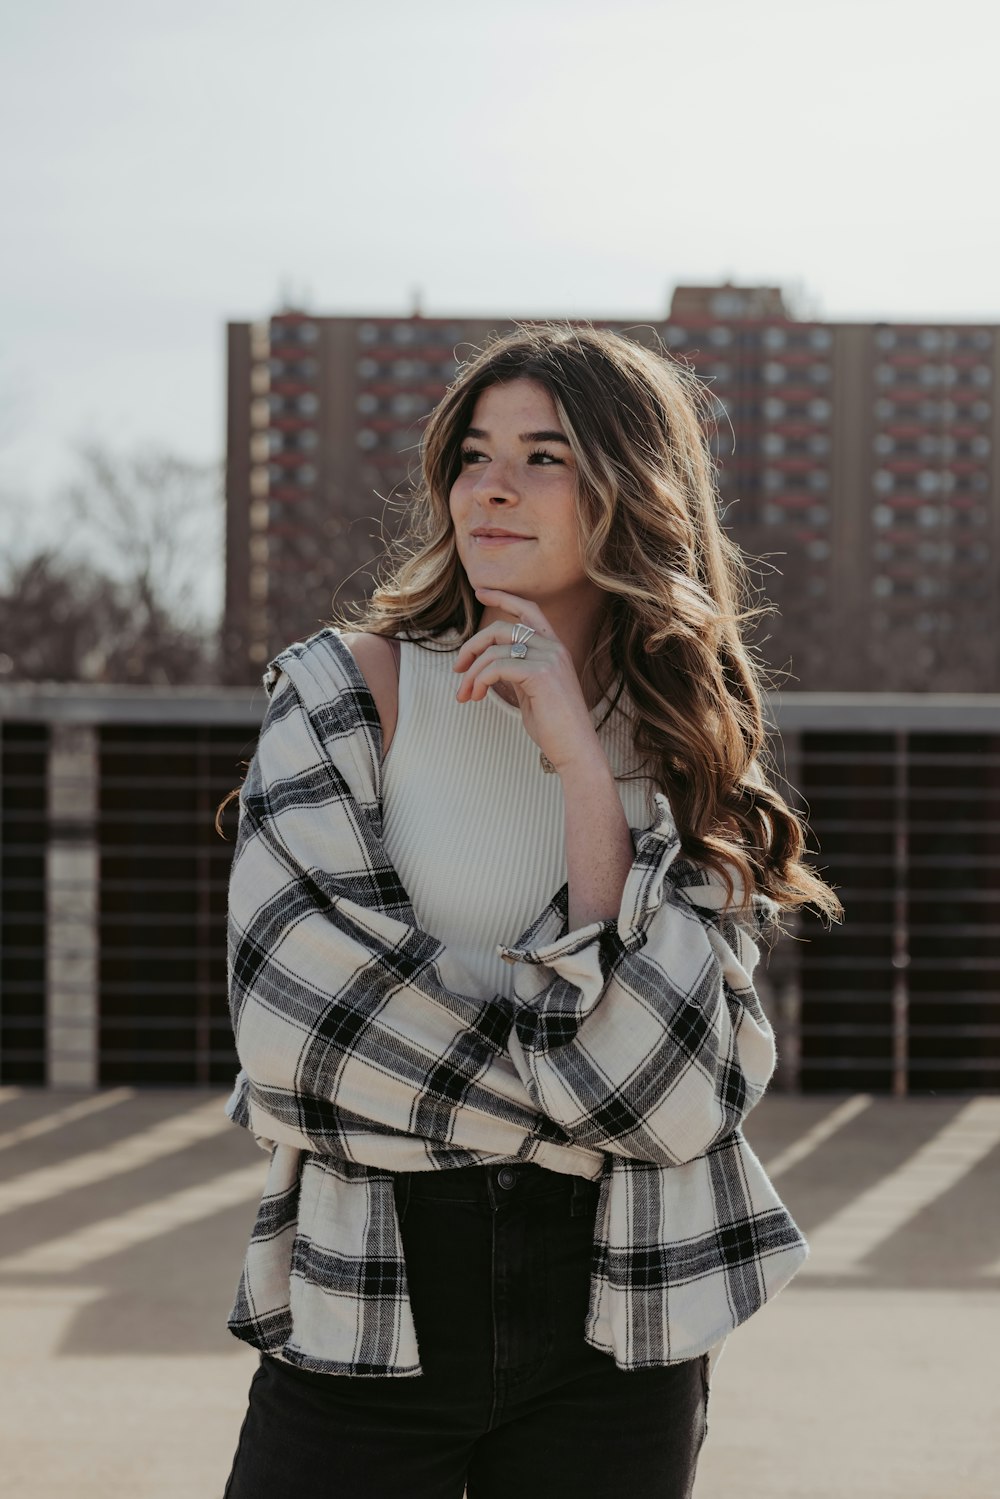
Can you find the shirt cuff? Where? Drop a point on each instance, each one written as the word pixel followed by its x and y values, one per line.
pixel 546 940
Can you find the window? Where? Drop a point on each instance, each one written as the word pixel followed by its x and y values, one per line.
pixel 982 410
pixel 367 439
pixel 306 474
pixel 881 586
pixel 403 334
pixel 930 339
pixel 368 368
pixel 308 403
pixel 885 339
pixel 819 374
pixel 883 482
pixel 819 479
pixel 820 410
pixel 820 338
pixel 367 333
pixel 818 550
pixel 406 404
pixel 308 440
pixel 367 404
pixel 885 374
pixel 772 443
pixel 928 516
pixel 720 337
pixel 727 305
pixel 883 443
pixel 819 515
pixel 774 409
pixel 774 338
pixel 819 445
pixel 773 373
pixel 982 375
pixel 928 482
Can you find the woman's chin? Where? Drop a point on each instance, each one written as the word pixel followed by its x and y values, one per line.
pixel 499 577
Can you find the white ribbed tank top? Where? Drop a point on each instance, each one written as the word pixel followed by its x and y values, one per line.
pixel 472 824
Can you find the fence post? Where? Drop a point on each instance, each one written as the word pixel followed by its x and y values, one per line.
pixel 72 882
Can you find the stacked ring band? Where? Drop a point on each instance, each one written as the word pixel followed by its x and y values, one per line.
pixel 519 641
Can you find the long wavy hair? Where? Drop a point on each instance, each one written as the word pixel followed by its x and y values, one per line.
pixel 679 590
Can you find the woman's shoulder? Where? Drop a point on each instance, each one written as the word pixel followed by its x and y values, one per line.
pixel 377 658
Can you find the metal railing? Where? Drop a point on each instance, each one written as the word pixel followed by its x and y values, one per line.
pixel 113 889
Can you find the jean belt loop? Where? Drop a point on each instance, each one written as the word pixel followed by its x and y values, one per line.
pixel 580 1202
pixel 401 1192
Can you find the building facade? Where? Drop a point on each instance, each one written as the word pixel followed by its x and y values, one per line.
pixel 857 468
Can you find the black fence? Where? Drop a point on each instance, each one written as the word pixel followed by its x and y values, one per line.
pixel 113 889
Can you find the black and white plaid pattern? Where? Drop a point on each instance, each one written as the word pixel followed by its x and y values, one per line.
pixel 631 1052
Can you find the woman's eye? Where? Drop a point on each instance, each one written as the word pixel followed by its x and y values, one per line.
pixel 543 458
pixel 471 455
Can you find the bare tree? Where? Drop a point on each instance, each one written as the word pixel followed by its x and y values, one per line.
pixel 54 618
pixel 130 593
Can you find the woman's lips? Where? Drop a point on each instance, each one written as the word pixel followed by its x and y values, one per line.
pixel 499 541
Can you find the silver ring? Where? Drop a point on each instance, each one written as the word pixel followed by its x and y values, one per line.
pixel 519 641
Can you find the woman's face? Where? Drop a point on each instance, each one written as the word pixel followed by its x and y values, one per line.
pixel 513 504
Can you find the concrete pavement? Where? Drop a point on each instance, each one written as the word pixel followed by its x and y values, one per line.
pixel 123 1218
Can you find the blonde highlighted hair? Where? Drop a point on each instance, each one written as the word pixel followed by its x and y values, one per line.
pixel 679 590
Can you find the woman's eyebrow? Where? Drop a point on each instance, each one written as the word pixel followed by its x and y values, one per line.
pixel 525 436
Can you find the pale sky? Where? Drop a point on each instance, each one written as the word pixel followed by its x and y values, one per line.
pixel 170 164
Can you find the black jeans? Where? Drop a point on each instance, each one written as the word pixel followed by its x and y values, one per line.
pixel 512 1404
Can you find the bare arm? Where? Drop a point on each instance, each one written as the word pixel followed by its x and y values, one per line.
pixel 599 850
pixel 377 657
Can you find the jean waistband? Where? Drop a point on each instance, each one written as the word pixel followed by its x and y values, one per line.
pixel 494 1184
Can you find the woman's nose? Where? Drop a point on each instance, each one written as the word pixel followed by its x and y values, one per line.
pixel 497 486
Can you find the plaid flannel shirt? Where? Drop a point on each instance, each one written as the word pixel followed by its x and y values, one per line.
pixel 631 1053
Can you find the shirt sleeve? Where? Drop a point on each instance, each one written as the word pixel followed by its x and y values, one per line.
pixel 345 1027
pixel 643 1036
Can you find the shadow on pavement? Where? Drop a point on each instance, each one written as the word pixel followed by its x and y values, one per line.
pixel 146 1202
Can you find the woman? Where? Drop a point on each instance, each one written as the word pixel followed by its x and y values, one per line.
pixel 499 1044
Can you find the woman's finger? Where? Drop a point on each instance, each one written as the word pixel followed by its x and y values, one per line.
pixel 499 632
pixel 526 610
pixel 515 670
